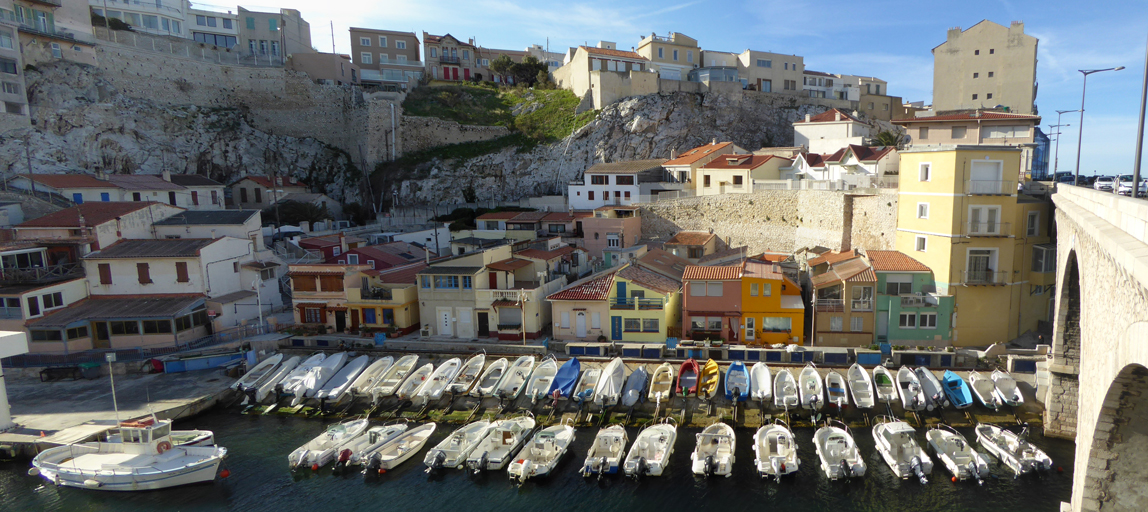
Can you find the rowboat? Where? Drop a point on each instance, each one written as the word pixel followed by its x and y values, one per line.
pixel 543 452
pixel 415 381
pixel 609 389
pixel 811 388
pixel 775 450
pixel 737 382
pixel 956 454
pixel 662 383
pixel 761 382
pixel 439 380
pixel 259 392
pixel 366 380
pixel 714 453
pixel 835 389
pixel 259 371
pixel 1007 389
pixel 489 379
pixel 984 389
pixel 584 392
pixel 785 393
pixel 635 386
pixel 688 377
pixel 931 385
pixel 467 375
pixel 885 385
pixel 860 386
pixel 651 451
pixel 606 453
pixel 390 381
pixel 956 390
pixel 838 452
pixel 709 379
pixel 895 443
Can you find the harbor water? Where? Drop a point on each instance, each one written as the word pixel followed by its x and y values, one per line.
pixel 260 481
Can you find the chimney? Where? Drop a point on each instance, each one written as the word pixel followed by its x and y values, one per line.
pixel 714 141
pixel 807 118
pixel 854 113
pixel 167 176
pixel 836 115
pixel 673 154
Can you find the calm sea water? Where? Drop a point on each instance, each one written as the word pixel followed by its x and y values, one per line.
pixel 260 480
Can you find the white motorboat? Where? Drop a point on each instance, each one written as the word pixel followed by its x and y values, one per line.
pixel 516 378
pixel 912 396
pixel 714 453
pixel 398 450
pixel 318 376
pixel 651 451
pixel 293 379
pixel 366 380
pixel 415 381
pixel 956 454
pixel 835 389
pixel 263 369
pixel 896 444
pixel 467 375
pixel 541 379
pixel 886 385
pixel 502 441
pixel 760 382
pixel 785 393
pixel 838 452
pixel 606 453
pixel 860 386
pixel 661 383
pixel 1013 450
pixel 584 391
pixel 490 378
pixel 609 389
pixel 985 390
pixel 390 381
pixel 439 380
pixel 635 386
pixel 1007 389
pixel 338 385
pixel 266 387
pixel 453 451
pixel 931 385
pixel 323 448
pixel 775 450
pixel 542 453
pixel 362 446
pixel 811 388
pixel 144 459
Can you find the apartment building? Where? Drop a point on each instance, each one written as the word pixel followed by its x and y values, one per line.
pixel 272 36
pixel 909 309
pixel 258 192
pixel 672 56
pixel 611 228
pixel 53 30
pixel 90 226
pixel 200 194
pixel 210 27
pixel 711 303
pixel 320 293
pixel 387 300
pixel 157 17
pixel 772 310
pixel 987 128
pixel 984 66
pixel 15 113
pixel 619 183
pixel 388 58
pixel 830 131
pixel 683 168
pixel 844 288
pixel 448 58
pixel 582 70
pixel 771 72
pixel 817 84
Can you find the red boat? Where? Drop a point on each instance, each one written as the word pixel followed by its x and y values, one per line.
pixel 688 378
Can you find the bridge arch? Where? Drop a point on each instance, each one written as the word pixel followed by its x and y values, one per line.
pixel 1064 384
pixel 1116 473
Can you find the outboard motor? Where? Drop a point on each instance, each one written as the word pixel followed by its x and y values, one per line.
pixel 915 466
pixel 643 468
pixel 482 462
pixel 344 459
pixel 778 468
pixel 711 466
pixel 373 464
pixel 438 461
pixel 251 392
pixel 974 473
pixel 603 466
pixel 846 469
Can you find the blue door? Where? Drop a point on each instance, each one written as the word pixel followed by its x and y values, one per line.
pixel 77 198
pixel 616 328
pixel 621 295
pixel 105 197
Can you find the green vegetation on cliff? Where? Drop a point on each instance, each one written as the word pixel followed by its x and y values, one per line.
pixel 542 115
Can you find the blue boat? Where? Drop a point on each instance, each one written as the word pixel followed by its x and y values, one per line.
pixel 956 390
pixel 736 382
pixel 566 378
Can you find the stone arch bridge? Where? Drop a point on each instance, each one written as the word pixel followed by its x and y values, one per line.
pixel 1098 393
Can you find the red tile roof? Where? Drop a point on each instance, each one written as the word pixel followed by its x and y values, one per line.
pixel 970 116
pixel 895 261
pixel 68 181
pixel 539 254
pixel 865 276
pixel 612 53
pixel 498 216
pixel 690 238
pixel 698 153
pixel 395 275
pixel 830 116
pixel 870 153
pixel 834 257
pixel 742 161
pixel 94 213
pixel 854 271
pixel 650 279
pixel 266 181
pixel 558 217
pixel 596 288
pixel 817 73
pixel 663 263
pixel 508 265
pixel 697 272
pixel 530 216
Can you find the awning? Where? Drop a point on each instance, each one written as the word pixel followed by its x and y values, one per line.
pixel 504 303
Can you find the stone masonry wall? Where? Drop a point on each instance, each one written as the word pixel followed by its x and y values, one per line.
pixel 874 220
pixel 421 133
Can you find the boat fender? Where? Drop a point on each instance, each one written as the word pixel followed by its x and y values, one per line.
pixel 92 483
pixel 34 472
pixel 163 446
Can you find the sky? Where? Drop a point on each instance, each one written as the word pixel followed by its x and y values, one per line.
pixel 891 40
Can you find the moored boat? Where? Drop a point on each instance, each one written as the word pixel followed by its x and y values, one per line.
pixel 1007 389
pixel 835 389
pixel 811 388
pixel 661 383
pixel 318 376
pixel 984 389
pixel 490 378
pixel 439 380
pixel 543 452
pixel 606 452
pixel 566 378
pixel 1013 450
pixel 737 382
pixel 264 388
pixel 516 377
pixel 651 451
pixel 398 450
pixel 265 368
pixel 785 393
pixel 295 377
pixel 414 382
pixel 886 385
pixel 322 449
pixel 366 380
pixel 714 453
pixel 584 392
pixel 503 439
pixel 390 381
pixel 467 375
pixel 956 390
pixel 453 451
pixel 635 387
pixel 709 380
pixel 912 396
pixel 838 452
pixel 609 388
pixel 760 382
pixel 931 385
pixel 688 377
pixel 541 379
pixel 861 387
pixel 775 450
pixel 956 454
pixel 896 444
pixel 337 385
pixel 362 446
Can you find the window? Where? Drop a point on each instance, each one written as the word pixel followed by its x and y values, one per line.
pixel 924 133
pixel 251 46
pixel 598 180
pixel 1033 227
pixel 175 26
pixel 267 274
pixel 922 244
pixel 465 55
pixel 331 283
pixel 791 85
pixel 401 59
pixel 922 210
pixel 992 51
pixel 557 228
pixel 713 323
pixel 312 316
pixel 976 52
pixel 974 96
pixel 984 220
pixel 250 23
pixel 227 23
pixel 924 172
pixel 696 252
pixel 836 324
pixel 156 326
pixel 1004 132
pixel 763 63
pixel 78 332
pixel 753 289
pixel 613 240
pixel 675 55
pixel 143 272
pixel 706 180
pixel 402 45
pixel 928 321
pixel 737 181
pixel 766 289
pixel 125 328
pixel 991 73
pixel 11 88
pixel 632 325
pixel 862 298
pixel 898 284
pixel 976 75
pixel 273 24
pixel 364 41
pixel 425 280
pixel 698 322
pixel 623 180
pixel 275 48
pixel 38 335
pixel 365 58
pixel 713 288
pixel 53 300
pixel 235 267
pixel 242 195
pixel 698 289
pixel 258 195
pixel 8 66
pixel 446 282
pixel 661 53
pixel 786 65
pixel 33 306
pixel 262 47
pixel 884 106
pixel 989 96
pixel 907 321
pixel 105 273
pixel 649 325
pixel 6 40
pixel 1044 258
pixel 959 132
pixel 467 282
pixel 856 324
pixel 776 324
pixel 434 52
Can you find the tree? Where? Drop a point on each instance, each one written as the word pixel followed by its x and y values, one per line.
pixel 294 212
pixel 358 213
pixel 501 65
pixel 526 72
pixel 895 139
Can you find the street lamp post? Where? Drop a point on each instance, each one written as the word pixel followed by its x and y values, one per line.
pixel 1140 130
pixel 1056 157
pixel 1080 136
pixel 258 300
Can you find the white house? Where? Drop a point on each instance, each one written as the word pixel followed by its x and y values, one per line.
pixel 862 166
pixel 95 225
pixel 620 183
pixel 829 131
pixel 203 193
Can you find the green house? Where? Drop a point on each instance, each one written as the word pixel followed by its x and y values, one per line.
pixel 909 310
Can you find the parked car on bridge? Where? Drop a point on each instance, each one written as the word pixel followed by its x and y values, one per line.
pixel 1103 183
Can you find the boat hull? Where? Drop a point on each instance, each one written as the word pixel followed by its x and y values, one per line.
pixel 126 480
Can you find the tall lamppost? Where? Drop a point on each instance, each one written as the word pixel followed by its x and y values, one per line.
pixel 1056 157
pixel 1083 90
pixel 1140 130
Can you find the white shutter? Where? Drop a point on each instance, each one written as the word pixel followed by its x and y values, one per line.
pixel 565 319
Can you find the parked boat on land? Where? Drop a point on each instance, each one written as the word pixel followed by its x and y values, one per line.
pixel 885 385
pixel 322 449
pixel 502 441
pixel 912 396
pixel 467 375
pixel 775 450
pixel 362 446
pixel 761 382
pixel 838 452
pixel 414 382
pixel 541 379
pixel 366 380
pixel 265 368
pixel 293 379
pixel 1013 450
pixel 390 382
pixel 785 393
pixel 651 451
pixel 566 378
pixel 688 377
pixel 338 384
pixel 662 383
pixel 931 385
pixel 517 375
pixel 985 390
pixel 896 444
pixel 956 454
pixel 956 390
pixel 709 380
pixel 584 392
pixel 543 452
pixel 439 380
pixel 811 388
pixel 714 452
pixel 1007 389
pixel 861 387
pixel 490 379
pixel 606 453
pixel 453 451
pixel 264 388
pixel 609 389
pixel 835 389
pixel 398 450
pixel 318 376
pixel 737 382
pixel 635 387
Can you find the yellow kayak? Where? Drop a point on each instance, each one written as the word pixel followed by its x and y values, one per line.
pixel 709 379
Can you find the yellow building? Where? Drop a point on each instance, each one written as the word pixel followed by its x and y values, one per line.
pixel 644 305
pixel 771 307
pixel 388 299
pixel 959 213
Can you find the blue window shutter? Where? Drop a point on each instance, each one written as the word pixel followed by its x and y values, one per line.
pixel 77 198
pixel 105 197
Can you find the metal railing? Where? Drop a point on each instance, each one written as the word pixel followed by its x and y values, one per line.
pixel 861 305
pixel 41 274
pixel 990 187
pixel 179 47
pixel 915 301
pixel 988 229
pixel 829 306
pixel 295 255
pixel 631 303
pixel 509 327
pixel 379 294
pixel 983 277
pixel 132 354
pixel 448 60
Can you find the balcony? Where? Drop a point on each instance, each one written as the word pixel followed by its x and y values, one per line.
pixel 631 303
pixel 990 187
pixel 509 328
pixel 448 60
pixel 983 278
pixel 861 305
pixel 918 301
pixel 38 275
pixel 376 294
pixel 829 306
pixel 988 229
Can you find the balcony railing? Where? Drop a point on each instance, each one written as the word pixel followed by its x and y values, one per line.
pixel 984 277
pixel 990 187
pixel 509 327
pixel 916 301
pixel 861 305
pixel 379 294
pixel 448 60
pixel 631 303
pixel 988 229
pixel 11 314
pixel 829 306
pixel 41 274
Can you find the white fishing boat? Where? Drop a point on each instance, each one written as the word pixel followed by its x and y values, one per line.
pixel 144 459
pixel 542 453
pixel 606 453
pixel 366 380
pixel 760 382
pixel 265 368
pixel 295 377
pixel 912 396
pixel 1013 450
pixel 811 388
pixel 714 453
pixel 886 385
pixel 398 450
pixel 661 383
pixel 489 379
pixel 439 380
pixel 414 382
pixel 502 441
pixel 467 375
pixel 584 391
pixel 1007 389
pixel 651 451
pixel 838 452
pixel 609 389
pixel 985 390
pixel 516 378
pixel 897 445
pixel 541 379
pixel 452 452
pixel 338 385
pixel 318 376
pixel 362 446
pixel 322 449
pixel 835 389
pixel 860 386
pixel 390 381
pixel 266 387
pixel 956 454
pixel 931 386
pixel 785 393
pixel 635 387
pixel 775 451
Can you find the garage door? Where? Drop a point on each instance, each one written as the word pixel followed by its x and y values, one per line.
pixel 670 74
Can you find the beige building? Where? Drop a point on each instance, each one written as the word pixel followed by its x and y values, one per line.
pixel 977 128
pixel 684 167
pixel 326 68
pixel 984 66
pixel 672 56
pixel 273 35
pixel 15 112
pixel 389 58
pixel 211 27
pixel 161 17
pixel 771 72
pixel 830 131
pixel 52 30
pixel 607 73
pixel 450 59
